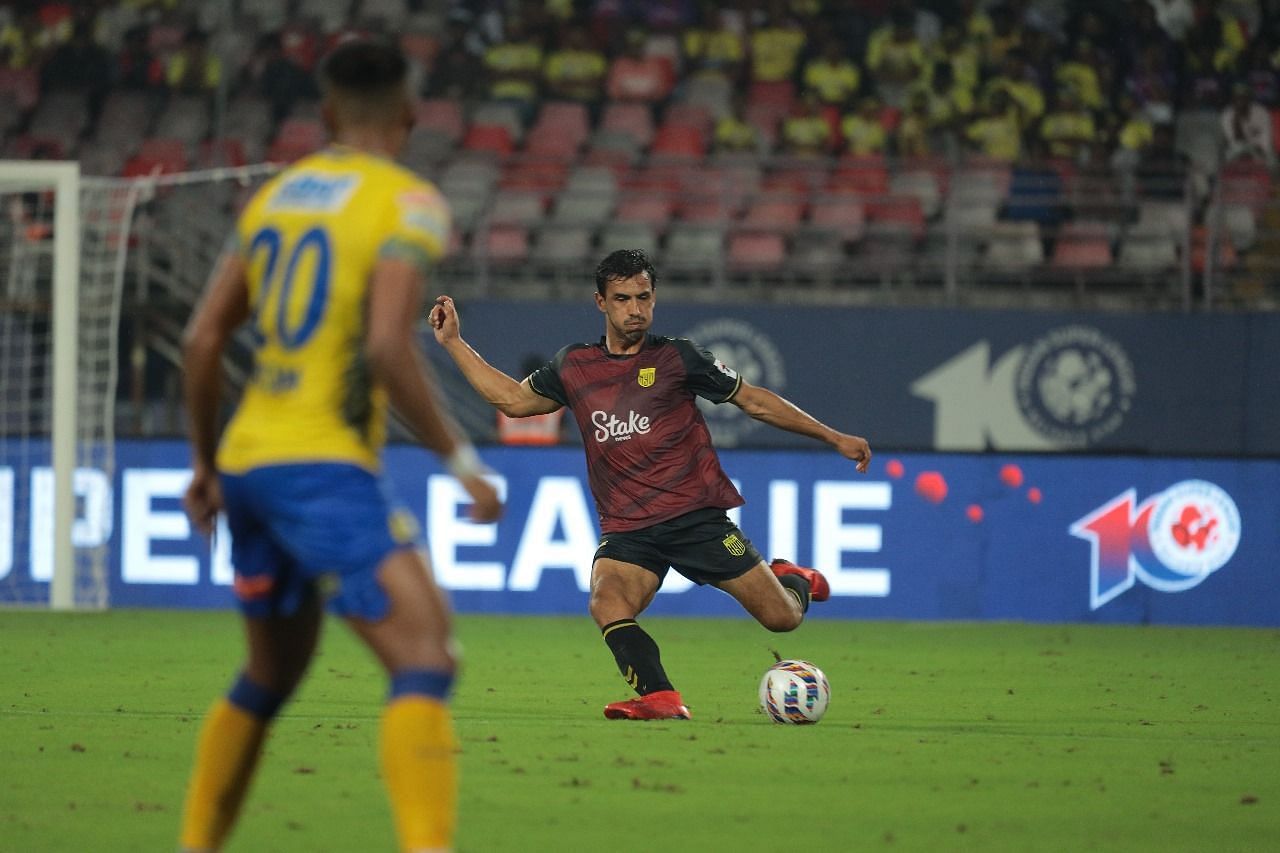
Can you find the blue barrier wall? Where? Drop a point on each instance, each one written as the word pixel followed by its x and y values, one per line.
pixel 956 380
pixel 921 536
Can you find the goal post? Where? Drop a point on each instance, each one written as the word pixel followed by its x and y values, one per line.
pixel 56 185
pixel 66 283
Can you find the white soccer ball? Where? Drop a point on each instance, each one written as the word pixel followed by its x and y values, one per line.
pixel 794 692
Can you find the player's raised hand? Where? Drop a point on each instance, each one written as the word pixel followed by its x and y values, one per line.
pixel 855 447
pixel 486 506
pixel 203 500
pixel 444 320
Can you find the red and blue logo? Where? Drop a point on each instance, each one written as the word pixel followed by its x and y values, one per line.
pixel 1171 542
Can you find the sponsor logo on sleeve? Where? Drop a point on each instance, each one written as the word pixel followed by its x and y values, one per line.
pixel 424 211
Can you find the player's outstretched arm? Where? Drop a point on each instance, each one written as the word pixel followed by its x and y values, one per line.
pixel 397 363
pixel 514 399
pixel 774 410
pixel 223 307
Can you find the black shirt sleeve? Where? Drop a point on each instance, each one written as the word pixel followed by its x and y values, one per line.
pixel 546 379
pixel 706 375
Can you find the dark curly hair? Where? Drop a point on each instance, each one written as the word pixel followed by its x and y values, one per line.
pixel 624 263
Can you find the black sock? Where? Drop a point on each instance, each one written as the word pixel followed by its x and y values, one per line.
pixel 637 656
pixel 799 587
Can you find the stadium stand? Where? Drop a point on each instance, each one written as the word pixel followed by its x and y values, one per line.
pixel 1070 144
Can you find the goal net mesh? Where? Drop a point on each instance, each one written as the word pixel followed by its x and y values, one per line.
pixel 142 242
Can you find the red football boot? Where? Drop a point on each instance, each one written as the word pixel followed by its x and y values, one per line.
pixel 819 589
pixel 659 705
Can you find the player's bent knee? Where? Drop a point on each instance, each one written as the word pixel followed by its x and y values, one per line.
pixel 781 623
pixel 606 607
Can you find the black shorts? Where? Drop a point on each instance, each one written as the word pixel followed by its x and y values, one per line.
pixel 703 545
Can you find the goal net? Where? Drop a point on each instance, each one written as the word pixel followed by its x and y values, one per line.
pixel 74 253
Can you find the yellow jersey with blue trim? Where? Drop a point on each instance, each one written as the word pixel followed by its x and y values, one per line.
pixel 310 239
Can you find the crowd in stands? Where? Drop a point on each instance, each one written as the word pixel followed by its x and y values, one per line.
pixel 1161 92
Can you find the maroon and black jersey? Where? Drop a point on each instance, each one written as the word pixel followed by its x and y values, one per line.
pixel 649 452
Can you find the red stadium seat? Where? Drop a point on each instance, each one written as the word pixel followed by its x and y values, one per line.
pixel 756 251
pixel 282 151
pixel 503 245
pixel 157 155
pixel 222 152
pixel 781 213
pixel 897 213
pixel 1082 246
pixel 549 140
pixel 489 139
pixel 865 176
pixel 302 131
pixel 569 119
pixel 649 208
pixel 696 116
pixel 677 142
pixel 780 95
pixel 844 214
pixel 635 120
pixel 544 177
pixel 443 115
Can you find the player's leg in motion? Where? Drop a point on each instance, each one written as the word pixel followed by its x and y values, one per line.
pixel 417 744
pixel 619 593
pixel 280 647
pixel 778 594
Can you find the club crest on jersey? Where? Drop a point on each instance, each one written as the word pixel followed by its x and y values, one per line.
pixel 647 376
pixel 734 545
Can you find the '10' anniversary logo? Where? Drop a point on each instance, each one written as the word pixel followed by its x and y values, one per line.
pixel 1172 541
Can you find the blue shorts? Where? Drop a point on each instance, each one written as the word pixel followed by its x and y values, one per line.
pixel 319 527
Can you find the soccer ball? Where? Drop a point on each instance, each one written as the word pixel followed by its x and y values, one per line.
pixel 794 692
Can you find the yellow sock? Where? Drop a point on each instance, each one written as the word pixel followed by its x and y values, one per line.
pixel 419 763
pixel 230 741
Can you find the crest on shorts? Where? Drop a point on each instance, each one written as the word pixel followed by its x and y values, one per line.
pixel 647 375
pixel 734 545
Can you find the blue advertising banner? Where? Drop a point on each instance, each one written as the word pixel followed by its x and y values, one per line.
pixel 949 379
pixel 1051 538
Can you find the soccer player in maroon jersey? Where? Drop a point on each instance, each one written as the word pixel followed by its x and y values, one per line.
pixel 657 482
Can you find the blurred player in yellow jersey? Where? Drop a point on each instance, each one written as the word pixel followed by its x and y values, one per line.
pixel 327 266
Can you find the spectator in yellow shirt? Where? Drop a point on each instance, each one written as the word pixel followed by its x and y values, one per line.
pixel 776 48
pixel 961 53
pixel 1006 35
pixel 734 133
pixel 193 69
pixel 863 132
pixel 913 137
pixel 997 134
pixel 1080 73
pixel 1016 82
pixel 1068 130
pixel 948 100
pixel 576 71
pixel 977 23
pixel 1135 134
pixel 832 77
pixel 714 48
pixel 895 58
pixel 514 66
pixel 25 41
pixel 806 133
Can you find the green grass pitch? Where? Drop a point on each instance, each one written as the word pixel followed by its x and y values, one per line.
pixel 940 736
